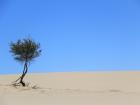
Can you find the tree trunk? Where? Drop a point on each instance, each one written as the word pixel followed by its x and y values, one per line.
pixel 24 73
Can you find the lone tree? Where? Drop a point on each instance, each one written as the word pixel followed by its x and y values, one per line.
pixel 24 51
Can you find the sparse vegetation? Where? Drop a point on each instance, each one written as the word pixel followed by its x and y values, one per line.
pixel 24 51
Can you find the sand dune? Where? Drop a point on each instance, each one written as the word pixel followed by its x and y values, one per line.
pixel 103 88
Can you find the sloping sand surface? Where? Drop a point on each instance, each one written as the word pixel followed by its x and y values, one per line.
pixel 103 88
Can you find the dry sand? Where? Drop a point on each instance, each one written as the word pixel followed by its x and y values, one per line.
pixel 110 88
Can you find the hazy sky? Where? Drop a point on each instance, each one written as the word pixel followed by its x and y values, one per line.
pixel 75 35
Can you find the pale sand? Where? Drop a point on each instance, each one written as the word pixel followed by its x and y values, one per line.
pixel 110 88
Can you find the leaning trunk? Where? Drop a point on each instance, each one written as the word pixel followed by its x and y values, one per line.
pixel 23 74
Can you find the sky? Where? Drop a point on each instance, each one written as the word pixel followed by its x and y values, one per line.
pixel 75 35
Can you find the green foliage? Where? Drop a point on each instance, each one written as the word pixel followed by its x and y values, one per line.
pixel 25 50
